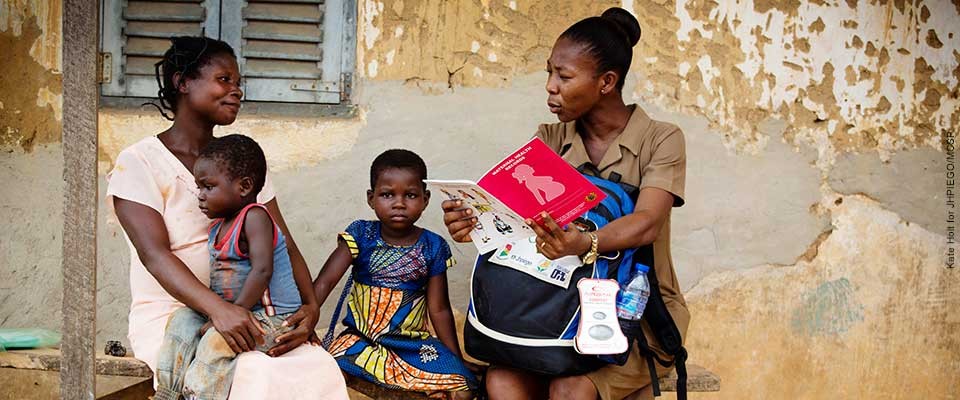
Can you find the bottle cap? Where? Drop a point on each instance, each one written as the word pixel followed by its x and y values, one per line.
pixel 642 268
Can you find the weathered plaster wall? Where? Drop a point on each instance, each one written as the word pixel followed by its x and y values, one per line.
pixel 288 141
pixel 31 208
pixel 845 76
pixel 31 187
pixel 864 93
pixel 30 102
pixel 846 323
pixel 811 243
pixel 443 44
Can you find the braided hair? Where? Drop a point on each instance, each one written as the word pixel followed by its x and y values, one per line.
pixel 609 39
pixel 186 56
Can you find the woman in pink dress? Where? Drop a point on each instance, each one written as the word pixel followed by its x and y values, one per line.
pixel 153 194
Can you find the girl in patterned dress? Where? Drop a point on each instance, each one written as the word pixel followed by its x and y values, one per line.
pixel 399 277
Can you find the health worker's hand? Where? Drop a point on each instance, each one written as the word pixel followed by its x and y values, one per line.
pixel 458 219
pixel 555 242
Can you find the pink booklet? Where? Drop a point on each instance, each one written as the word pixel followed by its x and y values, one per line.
pixel 528 181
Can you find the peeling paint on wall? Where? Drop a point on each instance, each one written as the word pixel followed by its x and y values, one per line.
pixel 846 76
pixel 45 49
pixel 474 43
pixel 46 97
pixel 30 77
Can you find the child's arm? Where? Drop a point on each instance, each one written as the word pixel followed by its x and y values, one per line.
pixel 336 265
pixel 305 319
pixel 258 228
pixel 441 316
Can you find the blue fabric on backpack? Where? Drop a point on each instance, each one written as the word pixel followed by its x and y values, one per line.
pixel 617 204
pixel 531 324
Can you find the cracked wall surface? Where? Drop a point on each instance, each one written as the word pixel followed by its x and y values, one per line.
pixel 846 76
pixel 451 43
pixel 30 102
pixel 811 243
pixel 846 323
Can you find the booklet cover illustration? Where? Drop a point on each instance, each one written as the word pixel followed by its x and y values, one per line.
pixel 528 181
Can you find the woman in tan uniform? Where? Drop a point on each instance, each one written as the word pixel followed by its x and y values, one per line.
pixel 614 141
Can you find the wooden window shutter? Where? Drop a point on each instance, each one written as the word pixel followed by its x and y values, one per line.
pixel 289 50
pixel 136 33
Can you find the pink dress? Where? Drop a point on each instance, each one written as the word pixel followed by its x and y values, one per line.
pixel 148 173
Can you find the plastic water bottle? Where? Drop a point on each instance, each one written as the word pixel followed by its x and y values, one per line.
pixel 632 298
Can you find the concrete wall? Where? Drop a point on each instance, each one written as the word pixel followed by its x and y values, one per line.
pixel 812 244
pixel 30 163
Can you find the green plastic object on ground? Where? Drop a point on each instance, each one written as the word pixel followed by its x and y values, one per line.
pixel 27 338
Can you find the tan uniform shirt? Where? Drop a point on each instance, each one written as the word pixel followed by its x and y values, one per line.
pixel 646 154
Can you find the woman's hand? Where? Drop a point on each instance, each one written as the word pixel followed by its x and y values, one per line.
pixel 555 242
pixel 459 221
pixel 303 322
pixel 238 326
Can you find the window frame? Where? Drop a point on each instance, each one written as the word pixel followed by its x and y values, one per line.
pixel 339 30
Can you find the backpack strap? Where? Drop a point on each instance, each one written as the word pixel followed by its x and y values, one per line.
pixel 656 314
pixel 681 362
pixel 663 328
pixel 615 177
pixel 588 168
pixel 651 367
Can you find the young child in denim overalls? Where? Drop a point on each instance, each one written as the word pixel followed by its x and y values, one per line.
pixel 249 266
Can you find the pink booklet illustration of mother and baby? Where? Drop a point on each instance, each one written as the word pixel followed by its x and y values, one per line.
pixel 528 181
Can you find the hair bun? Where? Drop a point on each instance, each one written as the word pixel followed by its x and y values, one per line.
pixel 625 21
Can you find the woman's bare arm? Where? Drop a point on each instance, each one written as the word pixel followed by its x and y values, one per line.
pixel 148 233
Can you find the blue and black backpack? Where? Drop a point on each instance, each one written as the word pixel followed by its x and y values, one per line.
pixel 518 321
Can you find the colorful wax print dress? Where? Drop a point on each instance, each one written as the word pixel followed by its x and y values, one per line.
pixel 386 341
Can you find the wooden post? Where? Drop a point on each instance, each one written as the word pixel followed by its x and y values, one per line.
pixel 78 370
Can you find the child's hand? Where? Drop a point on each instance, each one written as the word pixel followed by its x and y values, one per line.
pixel 303 321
